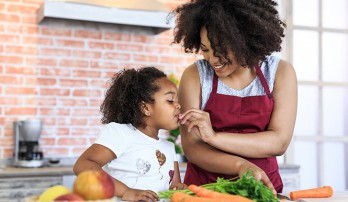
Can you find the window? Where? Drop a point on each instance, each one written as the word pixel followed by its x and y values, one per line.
pixel 317 46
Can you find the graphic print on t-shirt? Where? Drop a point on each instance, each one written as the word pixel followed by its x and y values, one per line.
pixel 161 160
pixel 143 167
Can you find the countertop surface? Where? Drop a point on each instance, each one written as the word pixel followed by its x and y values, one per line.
pixel 42 171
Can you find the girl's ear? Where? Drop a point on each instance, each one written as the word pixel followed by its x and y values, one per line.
pixel 145 109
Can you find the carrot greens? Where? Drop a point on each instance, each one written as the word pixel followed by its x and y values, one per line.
pixel 246 186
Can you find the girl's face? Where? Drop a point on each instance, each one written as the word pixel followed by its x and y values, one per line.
pixel 164 112
pixel 222 69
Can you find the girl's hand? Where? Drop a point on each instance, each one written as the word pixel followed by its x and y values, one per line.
pixel 177 186
pixel 139 195
pixel 199 122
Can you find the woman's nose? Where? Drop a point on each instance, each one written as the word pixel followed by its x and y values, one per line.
pixel 213 60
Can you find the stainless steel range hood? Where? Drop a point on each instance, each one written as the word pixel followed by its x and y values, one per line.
pixel 148 13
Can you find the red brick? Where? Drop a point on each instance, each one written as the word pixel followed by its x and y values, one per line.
pixel 86 112
pixel 72 102
pixel 55 72
pixel 56 151
pixel 21 70
pixel 88 74
pixel 54 91
pixel 142 39
pixel 72 82
pixel 104 65
pixel 47 141
pixel 37 40
pixel 101 45
pixel 23 9
pixel 2 6
pixel 42 61
pixel 78 121
pixel 170 60
pixel 40 81
pixel 40 101
pixel 117 36
pixel 72 141
pixel 9 38
pixel 73 63
pixel 10 80
pixel 20 111
pixel 63 131
pixel 51 31
pixel 21 50
pixel 20 91
pixel 6 100
pixel 117 56
pixel 55 52
pixel 85 131
pixel 9 17
pixel 163 40
pixel 130 47
pixel 55 111
pixel 6 141
pixel 98 83
pixel 87 93
pixel 77 151
pixel 70 43
pixel 95 103
pixel 8 152
pixel 87 34
pixel 29 20
pixel 23 29
pixel 94 122
pixel 47 121
pixel 158 49
pixel 87 54
pixel 145 58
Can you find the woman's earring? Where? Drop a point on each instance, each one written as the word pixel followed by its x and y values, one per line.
pixel 147 113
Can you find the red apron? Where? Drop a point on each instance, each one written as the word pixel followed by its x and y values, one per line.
pixel 238 115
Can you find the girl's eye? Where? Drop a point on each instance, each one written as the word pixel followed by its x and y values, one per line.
pixel 170 101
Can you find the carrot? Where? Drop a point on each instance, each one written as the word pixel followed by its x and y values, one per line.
pixel 182 197
pixel 321 192
pixel 203 192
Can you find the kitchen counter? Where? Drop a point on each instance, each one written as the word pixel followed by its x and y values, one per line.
pixel 44 171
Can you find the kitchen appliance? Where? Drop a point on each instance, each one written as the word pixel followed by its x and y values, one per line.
pixel 27 149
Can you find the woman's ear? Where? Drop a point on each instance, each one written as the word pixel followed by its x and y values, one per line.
pixel 144 109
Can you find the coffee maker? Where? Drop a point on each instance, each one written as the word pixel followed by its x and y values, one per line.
pixel 27 149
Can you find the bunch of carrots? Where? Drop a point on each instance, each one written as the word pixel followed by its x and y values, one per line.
pixel 206 195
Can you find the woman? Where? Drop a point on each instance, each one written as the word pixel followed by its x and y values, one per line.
pixel 239 102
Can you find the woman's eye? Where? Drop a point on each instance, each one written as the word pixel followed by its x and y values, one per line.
pixel 205 50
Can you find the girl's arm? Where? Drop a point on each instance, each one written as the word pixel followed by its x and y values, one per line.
pixel 95 157
pixel 272 142
pixel 176 181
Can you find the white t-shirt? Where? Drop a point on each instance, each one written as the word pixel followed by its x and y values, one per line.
pixel 142 162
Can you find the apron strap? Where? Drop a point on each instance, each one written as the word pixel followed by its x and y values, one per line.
pixel 259 74
pixel 263 81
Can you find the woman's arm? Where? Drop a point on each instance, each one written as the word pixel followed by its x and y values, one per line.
pixel 200 153
pixel 272 142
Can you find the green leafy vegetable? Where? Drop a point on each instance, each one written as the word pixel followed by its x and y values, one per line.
pixel 246 186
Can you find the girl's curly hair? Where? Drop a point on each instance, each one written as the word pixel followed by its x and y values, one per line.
pixel 128 89
pixel 251 29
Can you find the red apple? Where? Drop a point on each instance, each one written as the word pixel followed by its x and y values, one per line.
pixel 94 185
pixel 69 197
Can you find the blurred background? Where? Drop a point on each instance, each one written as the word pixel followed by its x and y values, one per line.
pixel 57 56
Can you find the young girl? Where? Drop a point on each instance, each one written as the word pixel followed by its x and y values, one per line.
pixel 137 104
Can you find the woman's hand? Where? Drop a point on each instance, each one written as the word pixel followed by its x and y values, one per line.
pixel 177 186
pixel 258 173
pixel 198 122
pixel 139 195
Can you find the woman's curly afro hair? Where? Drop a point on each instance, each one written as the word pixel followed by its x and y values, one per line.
pixel 251 29
pixel 128 89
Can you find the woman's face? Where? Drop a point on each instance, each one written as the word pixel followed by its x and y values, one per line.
pixel 222 69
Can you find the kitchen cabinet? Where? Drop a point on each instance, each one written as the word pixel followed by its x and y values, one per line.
pixel 19 183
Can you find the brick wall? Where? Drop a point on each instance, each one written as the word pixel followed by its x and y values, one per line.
pixel 57 71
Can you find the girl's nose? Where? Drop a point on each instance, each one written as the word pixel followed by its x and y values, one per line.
pixel 178 106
